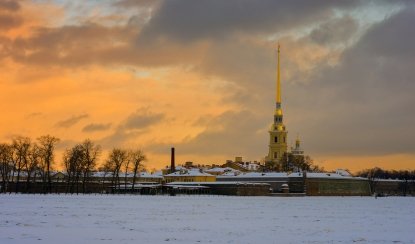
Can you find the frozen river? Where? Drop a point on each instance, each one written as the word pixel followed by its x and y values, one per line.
pixel 205 219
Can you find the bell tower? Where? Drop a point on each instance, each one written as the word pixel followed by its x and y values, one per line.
pixel 277 133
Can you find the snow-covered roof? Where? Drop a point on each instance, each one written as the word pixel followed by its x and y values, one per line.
pixel 220 170
pixel 332 176
pixel 296 174
pixel 122 174
pixel 258 175
pixel 217 183
pixel 343 172
pixel 158 173
pixel 193 172
pixel 231 173
pixel 147 175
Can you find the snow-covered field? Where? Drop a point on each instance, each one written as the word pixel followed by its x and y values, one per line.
pixel 205 219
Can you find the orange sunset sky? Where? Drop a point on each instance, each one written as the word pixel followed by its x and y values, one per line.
pixel 200 76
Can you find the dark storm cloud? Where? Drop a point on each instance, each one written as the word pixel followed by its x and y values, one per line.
pixel 89 44
pixel 9 5
pixel 136 3
pixel 363 105
pixel 96 127
pixel 187 20
pixel 71 121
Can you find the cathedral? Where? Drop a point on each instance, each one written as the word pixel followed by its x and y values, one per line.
pixel 278 133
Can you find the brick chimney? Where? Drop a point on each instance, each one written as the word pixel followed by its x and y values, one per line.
pixel 172 166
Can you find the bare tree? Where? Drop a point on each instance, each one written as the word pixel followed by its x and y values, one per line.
pixel 73 162
pixel 47 146
pixel 136 157
pixel 6 166
pixel 21 147
pixel 32 164
pixel 89 162
pixel 116 159
pixel 126 165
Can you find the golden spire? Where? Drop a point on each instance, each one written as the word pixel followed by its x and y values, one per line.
pixel 278 98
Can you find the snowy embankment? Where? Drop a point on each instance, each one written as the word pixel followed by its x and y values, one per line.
pixel 204 219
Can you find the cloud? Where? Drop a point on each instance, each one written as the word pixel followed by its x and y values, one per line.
pixel 94 44
pixel 71 121
pixel 361 106
pixel 335 31
pixel 96 127
pixel 9 21
pixel 141 119
pixel 358 106
pixel 10 5
pixel 135 3
pixel 34 115
pixel 132 127
pixel 231 133
pixel 189 20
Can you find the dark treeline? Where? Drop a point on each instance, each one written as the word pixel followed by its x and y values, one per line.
pixel 25 163
pixel 378 179
pixel 379 173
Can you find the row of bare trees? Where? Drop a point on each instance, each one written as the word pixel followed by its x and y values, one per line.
pixel 35 160
pixel 24 156
pixel 80 162
pixel 127 160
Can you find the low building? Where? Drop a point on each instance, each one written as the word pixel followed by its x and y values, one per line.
pixel 189 175
pixel 274 179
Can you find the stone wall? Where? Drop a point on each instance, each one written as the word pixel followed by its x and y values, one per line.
pixel 337 187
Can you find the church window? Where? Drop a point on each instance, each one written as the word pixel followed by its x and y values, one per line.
pixel 275 154
pixel 284 139
pixel 276 139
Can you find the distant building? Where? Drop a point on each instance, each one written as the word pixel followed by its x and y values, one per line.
pixel 240 165
pixel 220 171
pixel 297 151
pixel 189 175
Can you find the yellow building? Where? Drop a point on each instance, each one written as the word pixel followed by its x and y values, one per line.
pixel 277 133
pixel 189 175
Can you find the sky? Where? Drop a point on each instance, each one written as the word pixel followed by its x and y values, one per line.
pixel 200 76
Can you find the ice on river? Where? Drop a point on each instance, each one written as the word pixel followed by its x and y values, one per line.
pixel 205 219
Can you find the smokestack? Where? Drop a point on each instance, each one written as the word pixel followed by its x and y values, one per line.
pixel 172 166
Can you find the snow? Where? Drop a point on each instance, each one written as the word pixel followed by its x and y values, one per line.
pixel 204 219
pixel 332 176
pixel 220 170
pixel 189 172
